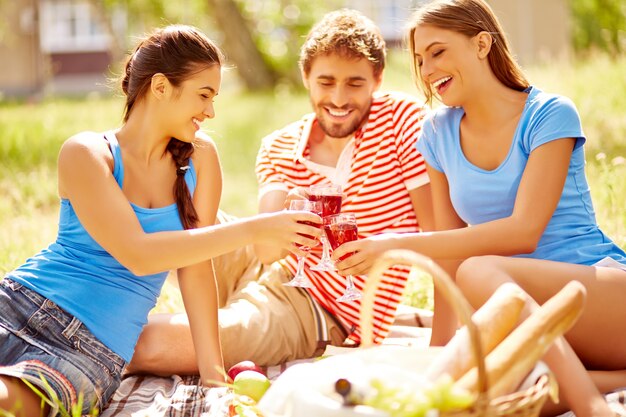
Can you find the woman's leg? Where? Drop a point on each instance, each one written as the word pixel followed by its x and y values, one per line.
pixel 596 337
pixel 17 398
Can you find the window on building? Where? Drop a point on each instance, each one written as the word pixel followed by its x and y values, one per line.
pixel 70 26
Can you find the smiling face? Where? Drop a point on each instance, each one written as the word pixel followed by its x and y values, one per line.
pixel 340 90
pixel 192 102
pixel 449 63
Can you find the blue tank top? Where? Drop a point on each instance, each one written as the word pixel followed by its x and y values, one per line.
pixel 86 281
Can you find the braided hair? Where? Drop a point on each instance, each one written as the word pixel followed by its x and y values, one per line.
pixel 177 52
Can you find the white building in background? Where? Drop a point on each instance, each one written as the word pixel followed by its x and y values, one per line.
pixel 54 46
pixel 391 16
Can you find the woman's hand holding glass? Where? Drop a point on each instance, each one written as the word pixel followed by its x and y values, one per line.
pixel 300 279
pixel 288 229
pixel 357 257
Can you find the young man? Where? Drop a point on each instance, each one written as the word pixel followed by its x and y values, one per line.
pixel 357 138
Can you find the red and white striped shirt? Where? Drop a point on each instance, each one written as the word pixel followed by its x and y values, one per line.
pixel 384 166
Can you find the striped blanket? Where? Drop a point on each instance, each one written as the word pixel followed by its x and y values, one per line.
pixel 180 396
pixel 148 396
pixel 176 396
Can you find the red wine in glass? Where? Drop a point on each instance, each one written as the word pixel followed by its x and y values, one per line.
pixel 340 233
pixel 331 204
pixel 330 196
pixel 341 228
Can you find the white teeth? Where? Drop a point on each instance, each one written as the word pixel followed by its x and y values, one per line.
pixel 338 113
pixel 196 121
pixel 441 81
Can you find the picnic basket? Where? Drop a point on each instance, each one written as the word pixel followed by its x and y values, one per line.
pixel 523 403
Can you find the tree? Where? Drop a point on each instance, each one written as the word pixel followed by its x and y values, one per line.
pixel 261 38
pixel 240 46
pixel 599 24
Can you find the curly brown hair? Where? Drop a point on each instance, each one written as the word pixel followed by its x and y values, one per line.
pixel 345 32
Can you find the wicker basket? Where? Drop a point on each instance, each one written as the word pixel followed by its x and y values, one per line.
pixel 527 403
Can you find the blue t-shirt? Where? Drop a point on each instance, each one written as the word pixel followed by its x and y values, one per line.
pixel 86 281
pixel 480 195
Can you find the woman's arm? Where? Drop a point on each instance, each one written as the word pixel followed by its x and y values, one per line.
pixel 271 202
pixel 197 282
pixel 86 178
pixel 445 321
pixel 421 200
pixel 537 197
pixel 199 292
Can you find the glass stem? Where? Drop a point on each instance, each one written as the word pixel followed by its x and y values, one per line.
pixel 325 249
pixel 300 270
pixel 350 284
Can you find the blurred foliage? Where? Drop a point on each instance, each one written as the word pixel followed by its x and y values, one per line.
pixel 279 28
pixel 599 25
pixel 143 15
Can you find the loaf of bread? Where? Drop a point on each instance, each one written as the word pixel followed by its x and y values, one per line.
pixel 509 363
pixel 495 319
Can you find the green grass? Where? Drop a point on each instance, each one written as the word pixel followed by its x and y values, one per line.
pixel 32 134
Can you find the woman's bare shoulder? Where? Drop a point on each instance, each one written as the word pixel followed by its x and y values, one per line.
pixel 85 147
pixel 205 149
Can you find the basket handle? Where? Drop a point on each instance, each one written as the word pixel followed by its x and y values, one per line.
pixel 445 285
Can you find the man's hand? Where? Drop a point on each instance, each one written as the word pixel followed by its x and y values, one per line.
pixel 297 193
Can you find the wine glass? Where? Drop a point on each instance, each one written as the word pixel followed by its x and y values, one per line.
pixel 330 197
pixel 341 228
pixel 301 280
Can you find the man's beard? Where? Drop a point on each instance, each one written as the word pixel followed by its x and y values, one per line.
pixel 340 130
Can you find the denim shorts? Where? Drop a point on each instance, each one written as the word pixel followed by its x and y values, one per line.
pixel 54 351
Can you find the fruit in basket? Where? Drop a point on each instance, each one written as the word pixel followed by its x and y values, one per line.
pixel 410 401
pixel 251 383
pixel 243 366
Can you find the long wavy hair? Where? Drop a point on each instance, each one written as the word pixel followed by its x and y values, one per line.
pixel 178 52
pixel 468 17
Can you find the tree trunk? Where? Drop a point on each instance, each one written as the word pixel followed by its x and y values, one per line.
pixel 116 47
pixel 240 47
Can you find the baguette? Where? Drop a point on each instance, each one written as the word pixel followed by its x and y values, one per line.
pixel 509 363
pixel 494 320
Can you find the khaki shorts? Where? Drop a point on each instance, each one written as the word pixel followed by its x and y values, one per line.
pixel 264 321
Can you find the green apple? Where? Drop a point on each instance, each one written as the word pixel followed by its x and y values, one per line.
pixel 251 383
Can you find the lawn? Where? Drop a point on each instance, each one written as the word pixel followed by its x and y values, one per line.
pixel 32 134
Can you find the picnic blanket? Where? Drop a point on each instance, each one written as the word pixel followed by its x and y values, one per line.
pixel 175 396
pixel 180 396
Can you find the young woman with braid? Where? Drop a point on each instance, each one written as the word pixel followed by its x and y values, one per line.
pixel 136 202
